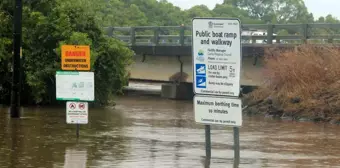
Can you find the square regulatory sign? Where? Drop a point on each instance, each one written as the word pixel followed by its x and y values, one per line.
pixel 75 57
pixel 216 55
pixel 218 110
pixel 77 112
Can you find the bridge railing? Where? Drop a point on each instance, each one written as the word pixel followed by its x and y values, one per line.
pixel 251 34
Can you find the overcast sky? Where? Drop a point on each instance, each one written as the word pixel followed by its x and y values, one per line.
pixel 317 7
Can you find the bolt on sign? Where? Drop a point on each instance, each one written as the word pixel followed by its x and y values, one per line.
pixel 75 57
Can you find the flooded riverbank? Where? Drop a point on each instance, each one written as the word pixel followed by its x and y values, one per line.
pixel 150 132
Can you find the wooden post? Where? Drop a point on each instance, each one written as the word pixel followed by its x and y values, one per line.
pixel 270 34
pixel 110 31
pixel 305 33
pixel 133 36
pixel 330 40
pixel 253 40
pixel 156 36
pixel 182 33
pixel 278 41
pixel 207 142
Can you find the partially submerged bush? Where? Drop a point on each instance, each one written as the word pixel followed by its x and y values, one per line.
pixel 302 71
pixel 302 80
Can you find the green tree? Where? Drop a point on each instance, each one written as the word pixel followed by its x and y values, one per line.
pixel 160 13
pixel 43 35
pixel 117 13
pixel 5 55
pixel 233 3
pixel 227 10
pixel 198 11
pixel 275 11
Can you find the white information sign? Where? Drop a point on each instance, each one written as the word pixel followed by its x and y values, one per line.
pixel 77 86
pixel 77 112
pixel 218 110
pixel 216 53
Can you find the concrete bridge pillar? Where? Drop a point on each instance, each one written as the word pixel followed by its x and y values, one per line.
pixel 180 91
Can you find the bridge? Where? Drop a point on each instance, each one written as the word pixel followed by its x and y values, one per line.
pixel 162 52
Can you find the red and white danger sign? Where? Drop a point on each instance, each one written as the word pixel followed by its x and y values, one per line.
pixel 76 112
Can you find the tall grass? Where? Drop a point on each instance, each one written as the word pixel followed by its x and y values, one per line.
pixel 300 72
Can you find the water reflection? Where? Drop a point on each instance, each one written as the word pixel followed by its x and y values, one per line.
pixel 154 133
pixel 75 158
pixel 180 111
pixel 16 143
pixel 40 138
pixel 206 163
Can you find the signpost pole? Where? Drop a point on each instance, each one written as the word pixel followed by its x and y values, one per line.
pixel 236 146
pixel 16 65
pixel 77 130
pixel 207 142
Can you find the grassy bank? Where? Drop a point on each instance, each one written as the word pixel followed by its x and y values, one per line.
pixel 300 84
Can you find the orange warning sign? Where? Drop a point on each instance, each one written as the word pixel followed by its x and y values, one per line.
pixel 75 57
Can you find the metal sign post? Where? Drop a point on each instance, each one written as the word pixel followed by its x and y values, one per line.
pixel 16 64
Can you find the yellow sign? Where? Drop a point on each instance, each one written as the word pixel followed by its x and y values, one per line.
pixel 75 57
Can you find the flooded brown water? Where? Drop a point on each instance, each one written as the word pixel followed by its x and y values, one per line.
pixel 143 132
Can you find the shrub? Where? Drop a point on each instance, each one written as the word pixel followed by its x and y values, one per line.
pixel 308 73
pixel 302 71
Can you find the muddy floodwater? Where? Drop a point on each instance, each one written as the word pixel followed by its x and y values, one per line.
pixel 145 132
